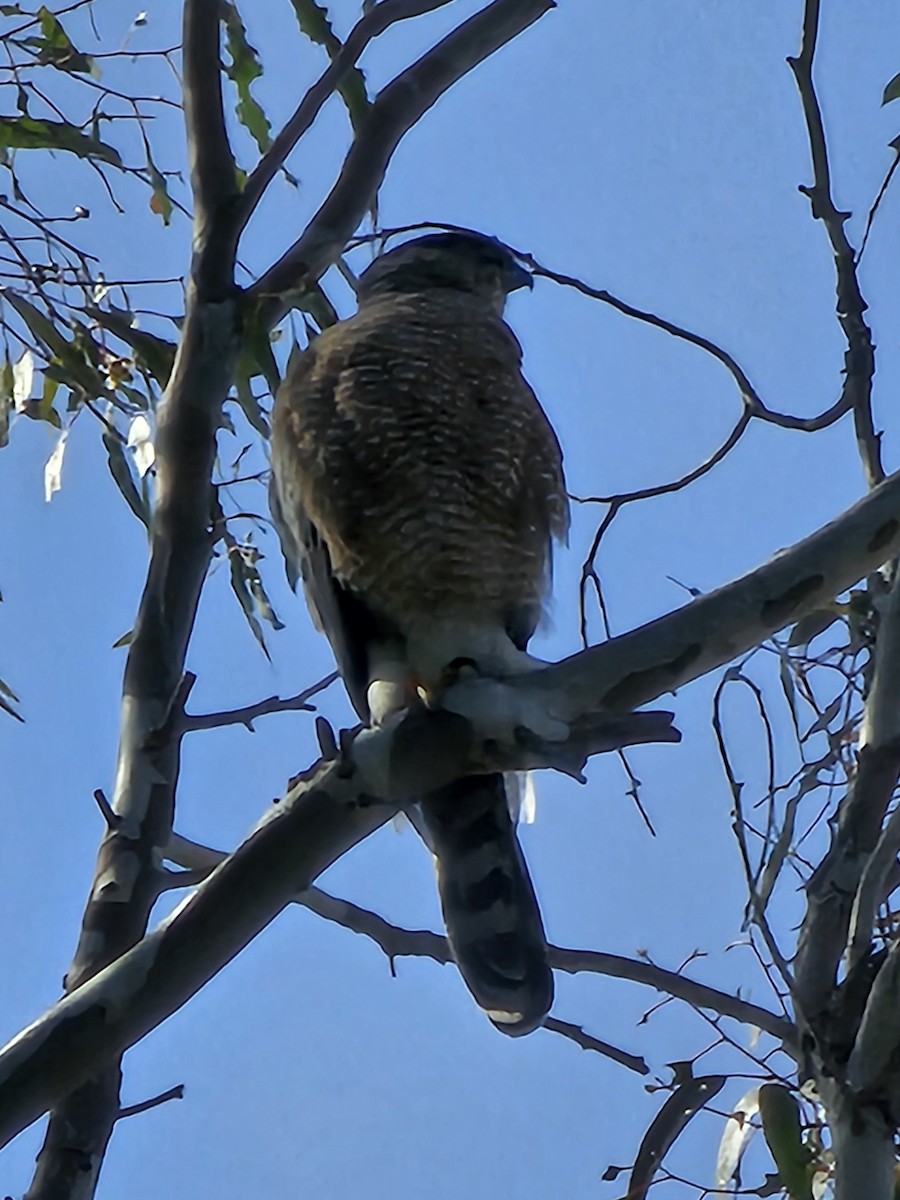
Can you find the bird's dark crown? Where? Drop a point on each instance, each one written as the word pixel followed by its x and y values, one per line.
pixel 466 262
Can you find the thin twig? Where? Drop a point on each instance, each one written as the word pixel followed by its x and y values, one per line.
pixel 587 1041
pixel 249 713
pixel 132 1110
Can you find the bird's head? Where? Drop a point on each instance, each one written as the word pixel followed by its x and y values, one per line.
pixel 471 263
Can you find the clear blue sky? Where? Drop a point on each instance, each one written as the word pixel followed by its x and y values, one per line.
pixel 652 149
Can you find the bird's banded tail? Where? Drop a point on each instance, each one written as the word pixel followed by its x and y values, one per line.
pixel 490 910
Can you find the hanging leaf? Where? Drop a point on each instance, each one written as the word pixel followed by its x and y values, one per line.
pixel 77 370
pixel 6 398
pixel 29 133
pixel 243 70
pixel 248 587
pixel 121 473
pixel 250 405
pixel 140 440
pixel 7 698
pixel 23 380
pixel 43 410
pixel 55 49
pixel 783 1130
pixel 160 200
pixel 53 469
pixel 735 1137
pixel 665 1128
pixel 892 91
pixel 314 22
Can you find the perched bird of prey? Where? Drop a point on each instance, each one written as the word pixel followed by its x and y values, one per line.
pixel 417 486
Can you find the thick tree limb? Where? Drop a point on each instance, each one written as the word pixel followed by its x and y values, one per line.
pixel 126 882
pixel 213 174
pixel 323 818
pixel 664 654
pixel 396 109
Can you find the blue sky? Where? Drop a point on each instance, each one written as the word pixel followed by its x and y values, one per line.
pixel 654 150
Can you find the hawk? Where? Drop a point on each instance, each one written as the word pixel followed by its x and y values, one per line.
pixel 417 486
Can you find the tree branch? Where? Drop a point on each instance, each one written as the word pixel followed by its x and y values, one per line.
pixel 379 18
pixel 324 817
pixel 213 174
pixel 249 713
pixel 859 360
pixel 396 109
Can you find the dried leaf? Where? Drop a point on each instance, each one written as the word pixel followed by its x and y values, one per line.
pixel 53 469
pixel 140 440
pixel 735 1137
pixel 23 380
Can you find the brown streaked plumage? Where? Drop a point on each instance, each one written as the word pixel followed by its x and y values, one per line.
pixel 417 486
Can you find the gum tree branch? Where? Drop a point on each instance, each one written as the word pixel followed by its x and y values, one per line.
pixel 859 359
pixel 328 810
pixel 191 723
pixel 859 1099
pixel 397 942
pixel 126 883
pixel 212 165
pixel 370 26
pixel 395 111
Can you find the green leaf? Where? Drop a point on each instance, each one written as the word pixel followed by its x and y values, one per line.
pixel 121 472
pixel 77 372
pixel 314 22
pixel 246 585
pixel 257 350
pixel 250 405
pixel 892 91
pixel 28 133
pixel 782 1127
pixel 56 48
pixel 243 70
pixel 7 388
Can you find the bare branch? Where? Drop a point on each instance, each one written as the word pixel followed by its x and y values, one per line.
pixel 249 713
pixel 133 1110
pixel 574 1033
pixel 637 667
pixel 396 109
pixel 859 360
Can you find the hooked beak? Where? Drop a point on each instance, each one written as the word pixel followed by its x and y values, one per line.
pixel 519 277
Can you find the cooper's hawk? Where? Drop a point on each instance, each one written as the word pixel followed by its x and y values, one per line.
pixel 417 486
